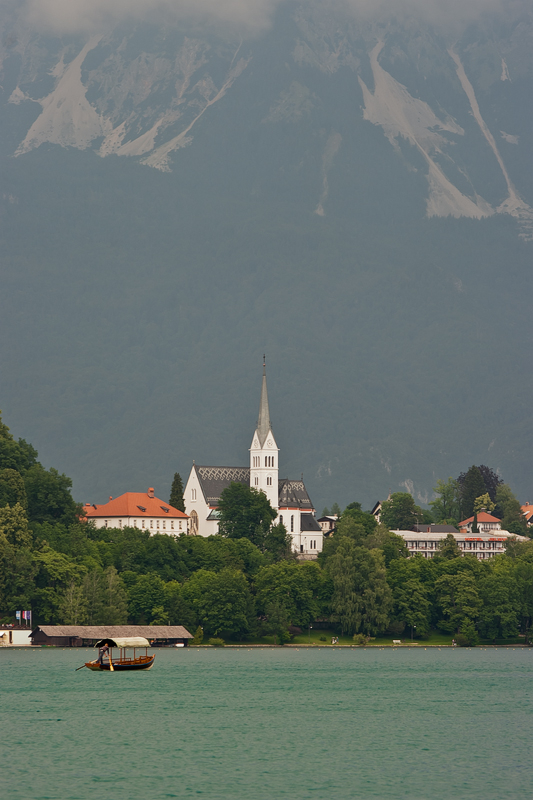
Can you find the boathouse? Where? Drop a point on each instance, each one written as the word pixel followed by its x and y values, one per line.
pixel 87 635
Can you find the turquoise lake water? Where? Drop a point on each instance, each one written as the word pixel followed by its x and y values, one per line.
pixel 269 724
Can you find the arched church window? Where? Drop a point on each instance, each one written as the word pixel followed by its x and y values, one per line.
pixel 269 481
pixel 257 481
pixel 281 519
pixel 266 459
pixel 292 523
pixel 272 460
pixel 194 523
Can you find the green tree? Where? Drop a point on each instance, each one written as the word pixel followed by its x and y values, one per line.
pixel 222 601
pixel 19 456
pixel 114 599
pixel 146 593
pixel 458 599
pixel 179 611
pixel 49 497
pixel 14 526
pixel 335 510
pixel 446 506
pixel 176 493
pixel 245 513
pixel 277 622
pixel 472 487
pixel 484 503
pixel 361 598
pixel 400 512
pixel 12 489
pixel 354 512
pixel 448 547
pixel 412 606
pixel 93 589
pixel 17 572
pixel 509 511
pixel 500 598
pixel 278 543
pixel 72 605
pixel 290 585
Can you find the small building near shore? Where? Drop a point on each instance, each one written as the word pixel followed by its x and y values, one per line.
pixel 12 636
pixel 87 635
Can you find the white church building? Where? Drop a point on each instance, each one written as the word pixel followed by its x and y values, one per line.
pixel 289 498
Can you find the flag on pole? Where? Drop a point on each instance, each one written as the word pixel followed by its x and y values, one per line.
pixel 17 614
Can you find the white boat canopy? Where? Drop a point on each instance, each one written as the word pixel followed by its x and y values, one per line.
pixel 124 641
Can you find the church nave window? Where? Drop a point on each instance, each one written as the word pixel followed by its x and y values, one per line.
pixel 257 481
pixel 193 494
pixel 269 481
pixel 292 524
pixel 281 519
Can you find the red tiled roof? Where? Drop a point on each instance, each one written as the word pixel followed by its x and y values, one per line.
pixel 527 511
pixel 481 517
pixel 134 504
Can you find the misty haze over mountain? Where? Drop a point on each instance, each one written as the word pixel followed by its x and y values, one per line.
pixel 346 186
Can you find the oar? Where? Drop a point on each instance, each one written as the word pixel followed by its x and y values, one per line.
pixel 82 666
pixel 111 667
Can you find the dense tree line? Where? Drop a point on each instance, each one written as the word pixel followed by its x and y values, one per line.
pixel 245 582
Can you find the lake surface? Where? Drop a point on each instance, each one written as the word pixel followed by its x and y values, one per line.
pixel 269 724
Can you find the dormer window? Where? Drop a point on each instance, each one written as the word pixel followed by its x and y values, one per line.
pixel 142 508
pixel 166 510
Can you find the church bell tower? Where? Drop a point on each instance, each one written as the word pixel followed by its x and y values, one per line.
pixel 264 451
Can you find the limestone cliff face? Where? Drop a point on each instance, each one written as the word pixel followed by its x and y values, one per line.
pixel 449 111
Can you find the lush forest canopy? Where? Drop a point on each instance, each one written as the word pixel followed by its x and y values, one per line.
pixel 245 582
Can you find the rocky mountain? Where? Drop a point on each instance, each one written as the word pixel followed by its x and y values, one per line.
pixel 351 192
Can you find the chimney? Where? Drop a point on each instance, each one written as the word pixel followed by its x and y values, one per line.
pixel 151 491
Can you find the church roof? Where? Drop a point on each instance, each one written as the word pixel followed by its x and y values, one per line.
pixel 213 480
pixel 309 523
pixel 293 494
pixel 263 421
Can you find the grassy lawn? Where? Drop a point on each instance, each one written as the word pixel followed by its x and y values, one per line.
pixel 313 637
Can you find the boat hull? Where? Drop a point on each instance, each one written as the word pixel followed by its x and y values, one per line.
pixel 145 662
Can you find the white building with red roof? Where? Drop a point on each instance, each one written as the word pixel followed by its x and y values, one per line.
pixel 527 511
pixel 138 510
pixel 485 523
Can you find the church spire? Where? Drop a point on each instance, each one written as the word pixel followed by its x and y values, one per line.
pixel 263 422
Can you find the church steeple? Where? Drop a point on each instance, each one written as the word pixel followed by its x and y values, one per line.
pixel 264 451
pixel 263 421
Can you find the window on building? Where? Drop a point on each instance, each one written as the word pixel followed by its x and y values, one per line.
pixel 301 548
pixel 272 460
pixel 142 524
pixel 179 525
pixel 134 523
pixel 292 523
pixel 120 523
pixel 281 519
pixel 151 523
pixel 164 525
pixel 193 494
pixel 257 481
pixel 269 481
pixel 172 525
pixel 157 524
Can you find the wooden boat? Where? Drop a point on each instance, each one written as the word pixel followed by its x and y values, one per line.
pixel 123 663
